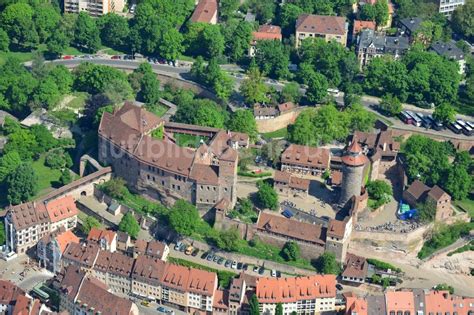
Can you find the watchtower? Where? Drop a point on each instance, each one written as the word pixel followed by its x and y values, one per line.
pixel 354 162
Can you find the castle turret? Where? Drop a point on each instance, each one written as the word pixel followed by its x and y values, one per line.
pixel 352 172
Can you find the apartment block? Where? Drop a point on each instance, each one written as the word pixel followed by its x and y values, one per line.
pixel 94 8
pixel 27 223
pixel 330 28
pixel 446 7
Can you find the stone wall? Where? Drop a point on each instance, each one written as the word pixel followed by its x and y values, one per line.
pixel 188 85
pixel 279 122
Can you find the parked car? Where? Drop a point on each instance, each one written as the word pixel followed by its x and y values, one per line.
pixel 115 57
pixel 210 257
pixel 216 258
pixel 234 265
pixel 228 262
pixel 245 267
pixel 278 274
pixel 145 303
pixel 162 309
pixel 182 248
pixel 220 261
pixel 204 256
pixel 261 271
pixel 255 268
pixel 239 266
pixel 195 252
pixel 339 287
pixel 67 57
pixel 189 250
pixel 274 273
pixel 178 246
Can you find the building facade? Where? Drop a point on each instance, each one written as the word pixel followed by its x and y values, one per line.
pixel 161 168
pixel 370 46
pixel 329 28
pixel 290 185
pixel 94 7
pixel 447 7
pixel 304 160
pixel 50 249
pixel 27 223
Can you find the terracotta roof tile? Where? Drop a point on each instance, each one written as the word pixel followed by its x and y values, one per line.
pixel 306 156
pixel 321 24
pixel 204 11
pixel 95 235
pixel 65 238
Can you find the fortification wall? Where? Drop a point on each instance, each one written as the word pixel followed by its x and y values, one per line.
pixel 279 122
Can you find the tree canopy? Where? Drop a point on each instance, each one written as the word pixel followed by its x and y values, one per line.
pixel 267 195
pixel 184 217
pixel 129 225
pixel 327 264
pixel 22 184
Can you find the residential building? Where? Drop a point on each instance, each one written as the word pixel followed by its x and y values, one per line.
pixel 146 276
pixel 51 247
pixel 94 8
pixel 205 12
pixel 418 192
pixel 330 28
pixel 106 239
pixel 27 223
pixel 370 45
pixel 264 32
pixel 304 295
pixel 15 301
pixel 288 184
pixel 82 294
pixel 305 160
pixel 114 269
pixel 83 256
pixel 261 112
pixel 161 168
pixel 360 25
pixel 355 270
pixel 410 26
pixel 450 51
pixel 153 249
pixel 409 301
pixel 447 7
pixel 237 290
pixel 124 242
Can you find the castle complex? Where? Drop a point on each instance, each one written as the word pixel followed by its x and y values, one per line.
pixel 142 149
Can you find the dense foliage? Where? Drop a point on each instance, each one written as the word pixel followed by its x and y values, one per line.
pixel 267 196
pixel 444 236
pixel 129 225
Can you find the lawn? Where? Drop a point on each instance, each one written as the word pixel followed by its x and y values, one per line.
pixel 111 51
pixel 184 140
pixel 280 133
pixel 47 177
pixel 466 204
pixel 79 100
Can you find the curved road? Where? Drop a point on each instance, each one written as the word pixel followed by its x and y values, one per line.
pixel 180 73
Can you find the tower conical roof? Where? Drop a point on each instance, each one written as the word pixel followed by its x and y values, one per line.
pixel 353 155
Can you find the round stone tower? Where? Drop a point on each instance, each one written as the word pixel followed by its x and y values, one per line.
pixel 352 172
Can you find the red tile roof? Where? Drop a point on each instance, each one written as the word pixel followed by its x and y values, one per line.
pixel 267 32
pixel 360 25
pixel 353 155
pixel 189 279
pixel 283 107
pixel 204 11
pixel 288 290
pixel 291 180
pixel 302 231
pixel 356 305
pixel 66 238
pixel 336 228
pixel 306 156
pixel 400 301
pixel 61 209
pixel 95 235
pixel 321 24
pixel 9 292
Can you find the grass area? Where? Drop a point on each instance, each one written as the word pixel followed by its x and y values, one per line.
pixel 467 205
pixel 158 109
pixel 253 174
pixel 280 133
pixel 72 51
pixel 465 248
pixel 383 265
pixel 79 100
pixel 444 236
pixel 184 140
pixel 384 119
pixel 47 177
pixel 224 277
pixel 186 58
pixel 111 51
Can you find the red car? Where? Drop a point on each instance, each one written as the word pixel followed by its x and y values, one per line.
pixel 115 57
pixel 67 57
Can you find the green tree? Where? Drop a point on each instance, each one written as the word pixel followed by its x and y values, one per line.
pixel 428 32
pixel 254 305
pixel 4 40
pixel 115 188
pixel 86 33
pixel 385 75
pixel 379 190
pixel 426 211
pixel 8 163
pixel 171 46
pixel 66 177
pixel 327 264
pixel 57 42
pixel 244 121
pixel 303 130
pixel 150 88
pixel 253 89
pixel 46 20
pixel 22 184
pixel 2 233
pixel 359 118
pixel 62 77
pixel 22 142
pixel 88 223
pixel 291 251
pixel 444 113
pixel 330 124
pixel 267 196
pixel 237 38
pixel 17 20
pixel 272 58
pixel 96 79
pixel 223 86
pixel 317 88
pixel 184 217
pixel 462 21
pixel 390 104
pixel 459 183
pixel 213 41
pixel 279 309
pixel 287 17
pixel 444 287
pixel 228 8
pixel 209 114
pixel 129 225
pixel 381 9
pixel 58 159
pixel 229 240
pixel 47 93
pixel 44 139
pixel 114 30
pixel 368 12
pixel 290 93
